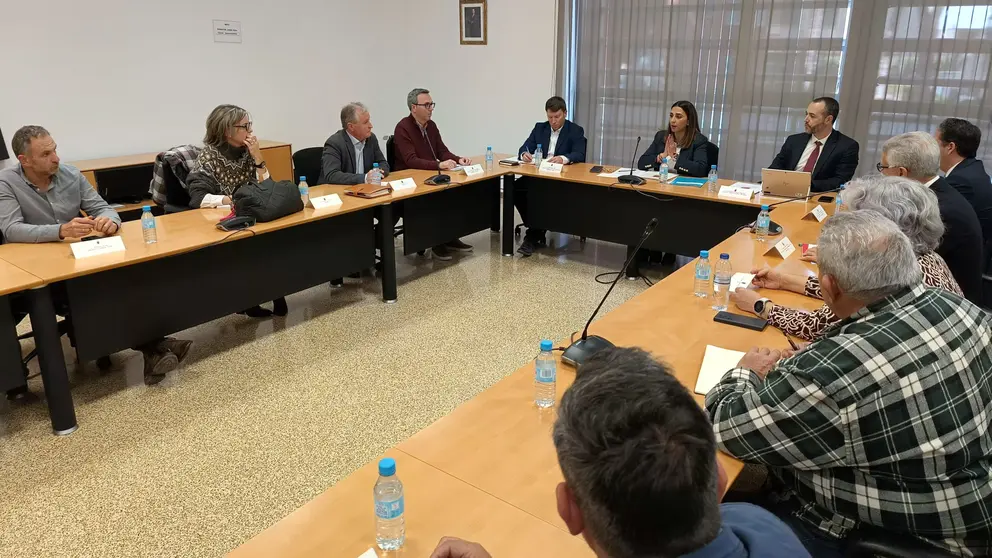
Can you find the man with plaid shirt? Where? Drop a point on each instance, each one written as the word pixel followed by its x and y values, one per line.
pixel 885 421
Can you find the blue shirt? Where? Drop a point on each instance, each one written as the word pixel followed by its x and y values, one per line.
pixel 359 154
pixel 751 531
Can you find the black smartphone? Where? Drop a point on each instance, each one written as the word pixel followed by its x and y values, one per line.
pixel 596 169
pixel 747 322
pixel 825 199
pixel 85 238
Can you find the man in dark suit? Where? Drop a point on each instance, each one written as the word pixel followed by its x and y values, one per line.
pixel 350 153
pixel 916 155
pixel 562 141
pixel 830 156
pixel 959 141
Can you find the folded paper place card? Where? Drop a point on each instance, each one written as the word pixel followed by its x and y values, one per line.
pixel 730 192
pixel 739 280
pixel 783 248
pixel 547 166
pixel 472 170
pixel 818 213
pixel 97 247
pixel 332 200
pixel 404 184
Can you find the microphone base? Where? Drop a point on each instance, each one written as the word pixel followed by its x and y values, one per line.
pixel 774 229
pixel 438 179
pixel 631 179
pixel 580 351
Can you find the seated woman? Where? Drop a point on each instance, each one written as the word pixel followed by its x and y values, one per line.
pixel 229 160
pixel 908 203
pixel 682 142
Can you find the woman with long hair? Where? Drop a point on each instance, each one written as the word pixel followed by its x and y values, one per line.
pixel 681 142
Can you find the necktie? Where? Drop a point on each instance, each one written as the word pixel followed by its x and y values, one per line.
pixel 811 162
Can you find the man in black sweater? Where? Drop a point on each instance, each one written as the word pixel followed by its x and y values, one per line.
pixel 959 141
pixel 917 155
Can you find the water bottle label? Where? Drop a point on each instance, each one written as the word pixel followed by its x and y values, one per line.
pixel 304 190
pixel 763 221
pixel 389 510
pixel 148 223
pixel 703 274
pixel 545 375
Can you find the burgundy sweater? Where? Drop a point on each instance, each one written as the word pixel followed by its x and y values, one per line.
pixel 413 151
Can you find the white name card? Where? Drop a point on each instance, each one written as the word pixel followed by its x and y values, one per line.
pixel 404 184
pixel 547 166
pixel 331 200
pixel 741 280
pixel 735 193
pixel 818 213
pixel 783 248
pixel 472 170
pixel 97 247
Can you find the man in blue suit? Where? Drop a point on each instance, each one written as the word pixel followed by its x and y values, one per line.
pixel 561 141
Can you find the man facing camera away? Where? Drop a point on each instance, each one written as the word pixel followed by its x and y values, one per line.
pixel 641 475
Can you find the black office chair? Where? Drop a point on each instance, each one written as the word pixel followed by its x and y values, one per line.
pixel 306 162
pixel 390 152
pixel 870 542
pixel 712 153
pixel 176 196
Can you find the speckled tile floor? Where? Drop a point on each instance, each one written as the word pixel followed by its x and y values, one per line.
pixel 266 414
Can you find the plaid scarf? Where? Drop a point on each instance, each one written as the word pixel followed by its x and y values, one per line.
pixel 230 166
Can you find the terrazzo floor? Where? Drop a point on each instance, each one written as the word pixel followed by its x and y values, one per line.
pixel 266 414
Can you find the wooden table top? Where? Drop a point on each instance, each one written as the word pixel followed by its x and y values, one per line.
pixel 141 159
pixel 14 279
pixel 177 233
pixel 341 523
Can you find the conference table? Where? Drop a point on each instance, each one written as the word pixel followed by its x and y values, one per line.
pixel 499 443
pixel 14 281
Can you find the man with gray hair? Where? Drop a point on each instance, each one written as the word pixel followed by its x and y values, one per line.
pixel 641 474
pixel 917 155
pixel 884 420
pixel 349 154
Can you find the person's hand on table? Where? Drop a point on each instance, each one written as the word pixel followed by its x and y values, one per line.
pixel 251 142
pixel 451 547
pixel 464 161
pixel 371 175
pixel 760 360
pixel 768 278
pixel 77 228
pixel 526 157
pixel 446 165
pixel 557 159
pixel 745 298
pixel 809 255
pixel 105 225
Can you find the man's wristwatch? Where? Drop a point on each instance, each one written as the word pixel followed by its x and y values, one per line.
pixel 260 165
pixel 762 307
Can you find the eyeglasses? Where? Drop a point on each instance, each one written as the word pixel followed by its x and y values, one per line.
pixel 427 106
pixel 247 126
pixel 882 167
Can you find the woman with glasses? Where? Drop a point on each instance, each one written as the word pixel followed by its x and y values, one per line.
pixel 681 142
pixel 230 159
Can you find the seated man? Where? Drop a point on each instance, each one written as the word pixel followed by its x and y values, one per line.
pixel 830 156
pixel 641 474
pixel 350 153
pixel 883 421
pixel 959 141
pixel 418 145
pixel 562 141
pixel 41 200
pixel 916 155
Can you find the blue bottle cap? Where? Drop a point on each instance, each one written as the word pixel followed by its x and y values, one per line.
pixel 538 146
pixel 489 147
pixel 704 253
pixel 146 208
pixel 712 167
pixel 764 207
pixel 546 345
pixel 302 178
pixel 375 165
pixel 724 256
pixel 387 467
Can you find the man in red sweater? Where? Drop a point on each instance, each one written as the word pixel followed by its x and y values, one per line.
pixel 417 143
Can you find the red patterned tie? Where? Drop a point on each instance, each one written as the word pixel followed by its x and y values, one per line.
pixel 811 162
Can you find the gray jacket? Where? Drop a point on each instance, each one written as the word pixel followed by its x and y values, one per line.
pixel 337 163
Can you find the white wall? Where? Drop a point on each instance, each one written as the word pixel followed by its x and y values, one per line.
pixel 111 77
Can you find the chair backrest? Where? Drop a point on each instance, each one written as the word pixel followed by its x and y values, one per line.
pixel 712 153
pixel 175 195
pixel 306 162
pixel 390 153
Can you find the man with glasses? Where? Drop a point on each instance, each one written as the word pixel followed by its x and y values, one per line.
pixel 418 145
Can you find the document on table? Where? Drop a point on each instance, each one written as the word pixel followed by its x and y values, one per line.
pixel 620 172
pixel 747 185
pixel 716 363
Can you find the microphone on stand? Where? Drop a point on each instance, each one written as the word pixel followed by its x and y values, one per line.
pixel 587 345
pixel 439 178
pixel 774 229
pixel 630 178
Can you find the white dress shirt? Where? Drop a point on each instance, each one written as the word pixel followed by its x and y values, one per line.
pixel 809 150
pixel 929 183
pixel 359 154
pixel 554 143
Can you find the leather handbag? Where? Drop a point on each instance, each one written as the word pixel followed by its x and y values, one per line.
pixel 369 191
pixel 268 200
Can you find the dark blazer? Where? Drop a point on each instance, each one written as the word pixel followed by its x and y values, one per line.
pixel 571 141
pixel 961 245
pixel 835 166
pixel 337 162
pixel 693 161
pixel 971 181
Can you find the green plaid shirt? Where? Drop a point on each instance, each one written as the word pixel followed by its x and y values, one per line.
pixel 885 421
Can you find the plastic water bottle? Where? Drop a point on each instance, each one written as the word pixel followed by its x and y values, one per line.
pixel 489 159
pixel 390 526
pixel 538 156
pixel 376 174
pixel 663 171
pixel 838 202
pixel 304 190
pixel 703 284
pixel 545 372
pixel 762 223
pixel 148 230
pixel 721 282
pixel 711 179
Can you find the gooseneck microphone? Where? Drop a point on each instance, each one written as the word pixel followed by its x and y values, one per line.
pixel 630 178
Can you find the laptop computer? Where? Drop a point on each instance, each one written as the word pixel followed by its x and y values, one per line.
pixel 784 183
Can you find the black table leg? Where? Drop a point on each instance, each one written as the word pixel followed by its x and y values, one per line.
pixel 508 210
pixel 52 361
pixel 387 252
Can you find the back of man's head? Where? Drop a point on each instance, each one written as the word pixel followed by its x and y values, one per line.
pixel 639 455
pixel 965 136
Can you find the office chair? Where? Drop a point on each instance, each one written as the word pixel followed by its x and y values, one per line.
pixel 306 162
pixel 712 153
pixel 390 152
pixel 176 196
pixel 869 542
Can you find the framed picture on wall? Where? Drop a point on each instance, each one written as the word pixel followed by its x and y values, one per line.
pixel 473 18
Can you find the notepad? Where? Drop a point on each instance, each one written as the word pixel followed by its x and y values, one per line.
pixel 716 363
pixel 686 181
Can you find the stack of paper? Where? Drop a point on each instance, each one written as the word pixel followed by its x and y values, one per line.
pixel 620 172
pixel 716 363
